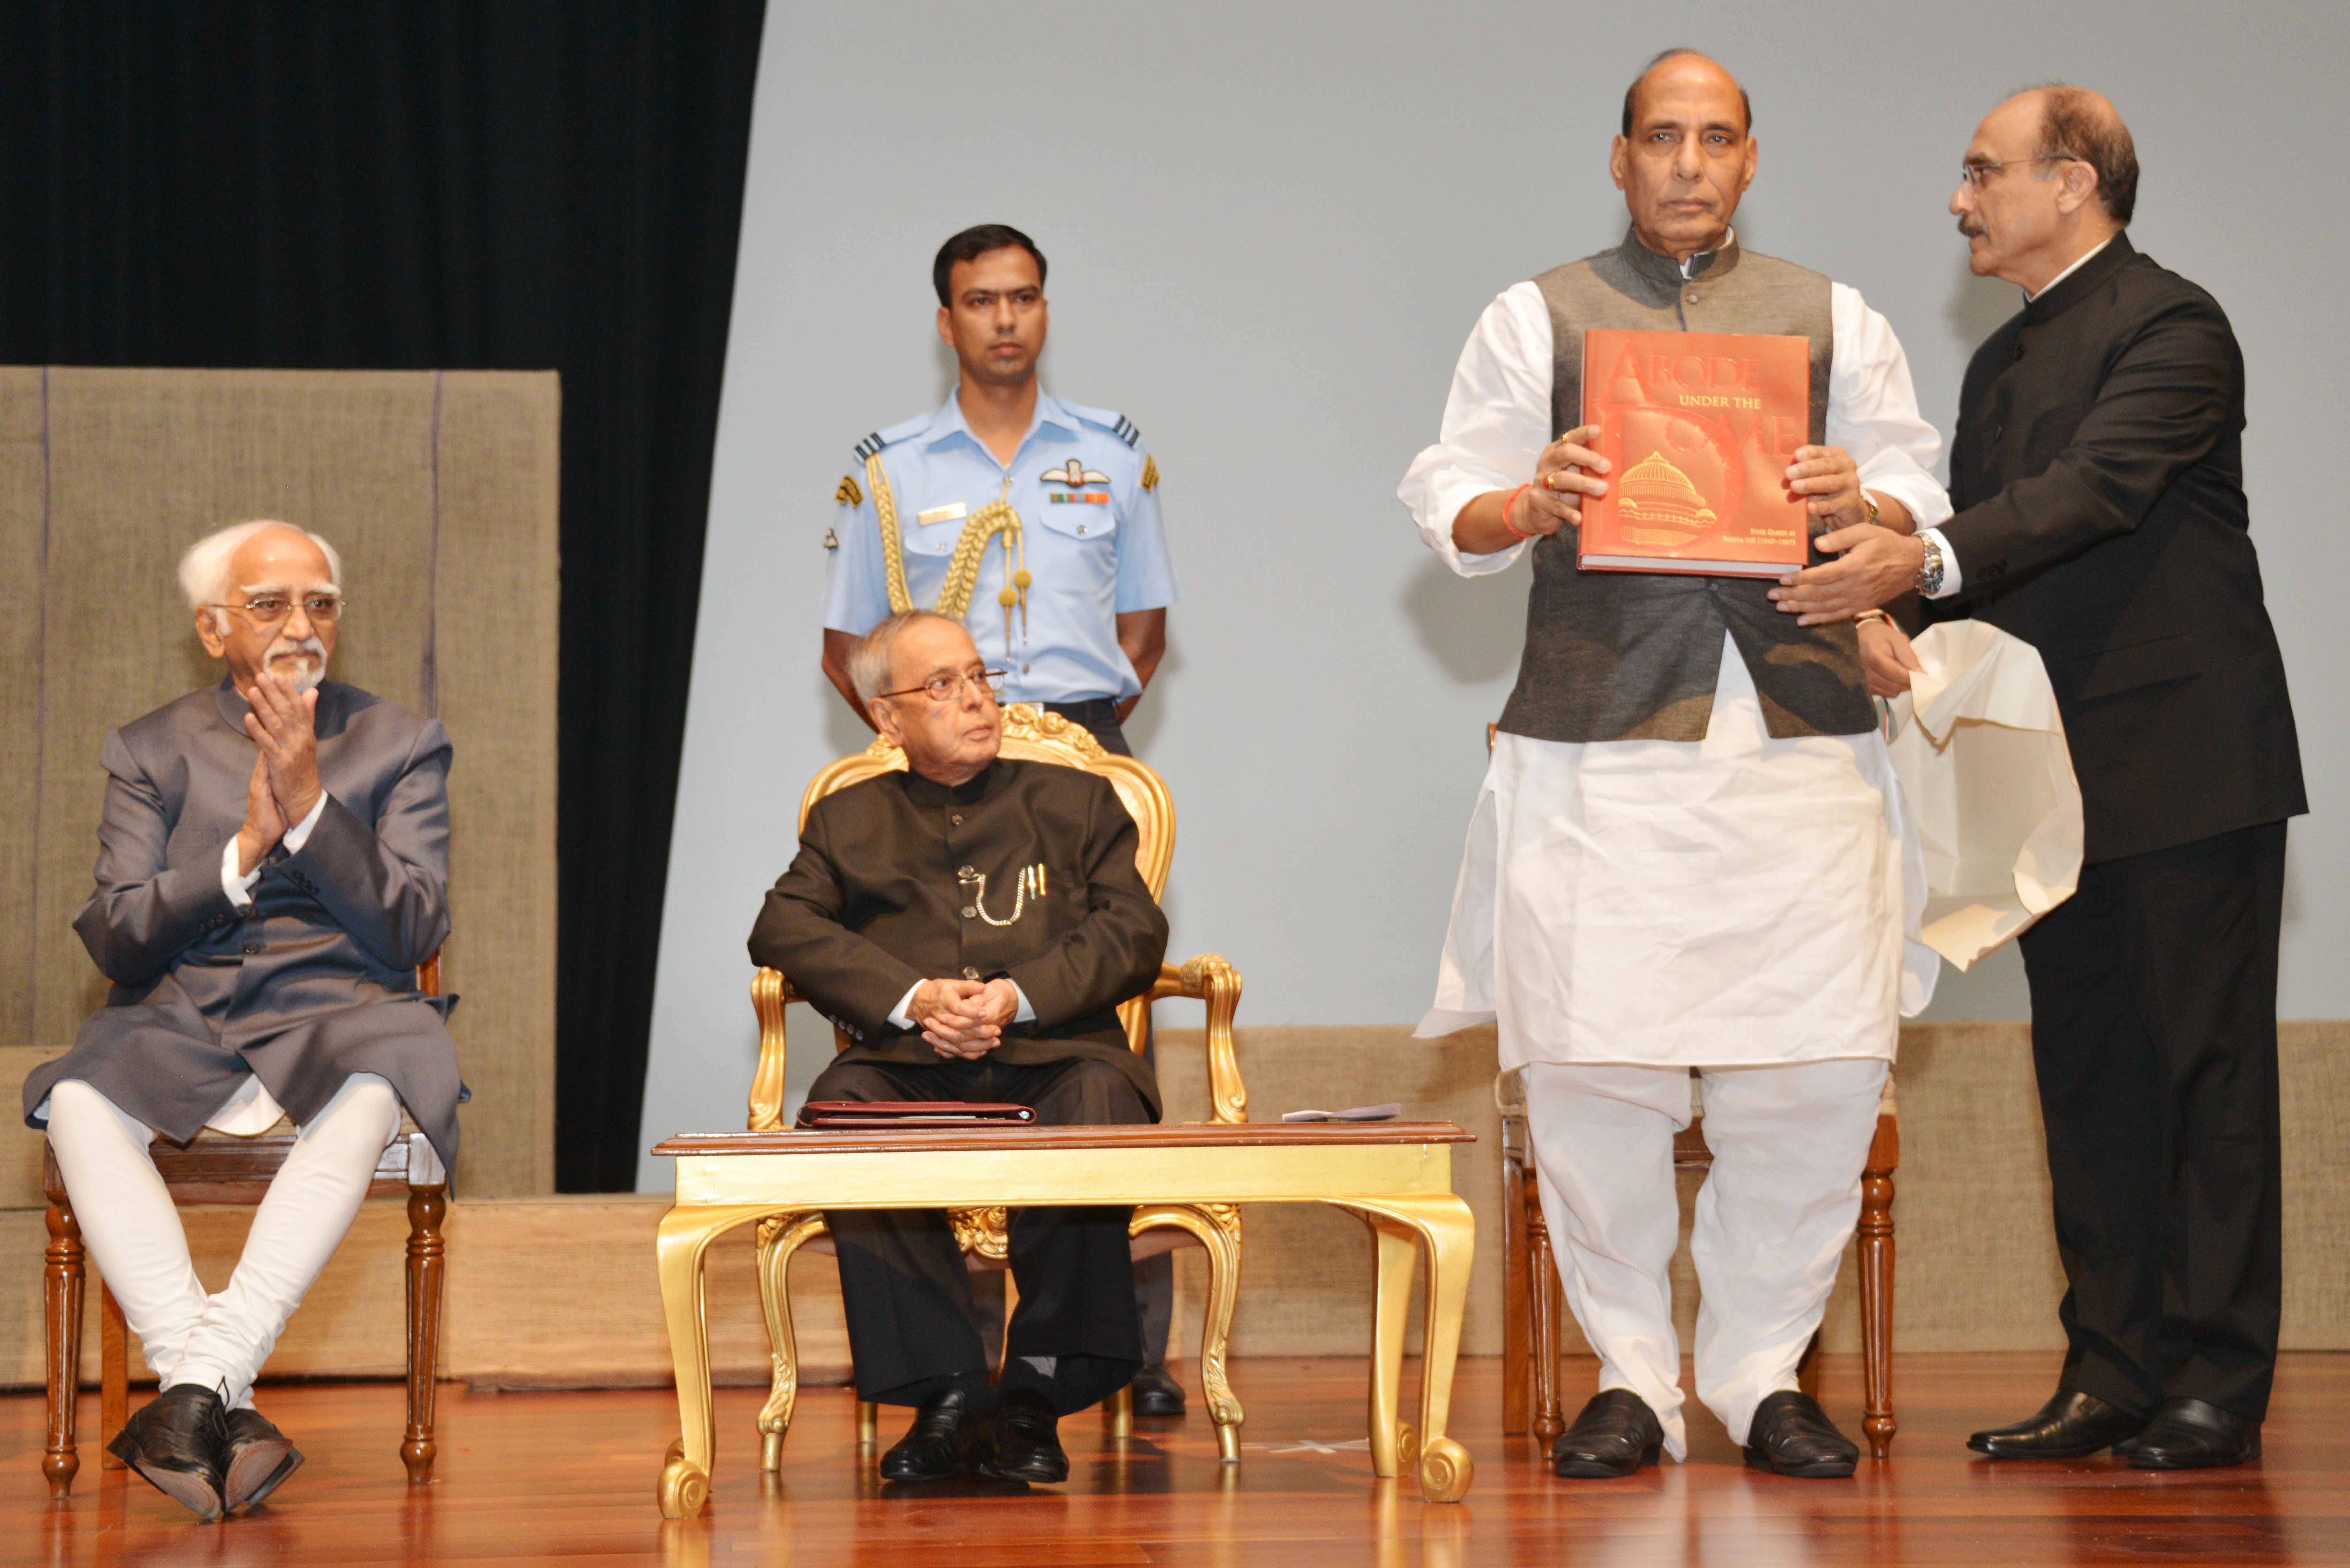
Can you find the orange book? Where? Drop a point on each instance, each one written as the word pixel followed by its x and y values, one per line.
pixel 1697 428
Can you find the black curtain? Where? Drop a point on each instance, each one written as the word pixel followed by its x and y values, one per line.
pixel 459 184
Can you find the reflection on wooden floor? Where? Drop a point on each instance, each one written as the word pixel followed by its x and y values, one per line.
pixel 532 1477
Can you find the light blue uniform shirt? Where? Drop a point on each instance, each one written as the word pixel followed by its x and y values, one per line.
pixel 1089 561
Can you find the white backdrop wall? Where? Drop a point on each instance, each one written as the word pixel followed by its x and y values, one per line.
pixel 1270 229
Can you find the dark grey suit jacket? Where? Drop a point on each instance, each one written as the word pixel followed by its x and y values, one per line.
pixel 316 979
pixel 873 903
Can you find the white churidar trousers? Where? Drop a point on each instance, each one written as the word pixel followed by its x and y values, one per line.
pixel 134 1235
pixel 1770 1228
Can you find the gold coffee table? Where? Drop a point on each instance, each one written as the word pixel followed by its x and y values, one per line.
pixel 1396 1175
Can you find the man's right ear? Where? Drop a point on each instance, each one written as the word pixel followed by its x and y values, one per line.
pixel 208 632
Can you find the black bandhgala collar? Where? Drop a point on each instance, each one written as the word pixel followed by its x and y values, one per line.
pixel 2068 291
pixel 929 792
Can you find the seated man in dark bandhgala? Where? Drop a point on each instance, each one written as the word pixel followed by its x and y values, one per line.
pixel 272 865
pixel 972 923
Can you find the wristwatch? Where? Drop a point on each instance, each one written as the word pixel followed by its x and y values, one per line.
pixel 1930 570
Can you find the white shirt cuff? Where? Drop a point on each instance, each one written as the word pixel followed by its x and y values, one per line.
pixel 1951 575
pixel 902 1016
pixel 300 834
pixel 240 888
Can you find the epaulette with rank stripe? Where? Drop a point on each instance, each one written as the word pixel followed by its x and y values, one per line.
pixel 869 446
pixel 1126 431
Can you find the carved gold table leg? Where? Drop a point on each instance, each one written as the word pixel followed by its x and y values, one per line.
pixel 683 1239
pixel 780 1236
pixel 1218 1228
pixel 1399 1255
pixel 868 1425
pixel 1117 1414
pixel 1449 1232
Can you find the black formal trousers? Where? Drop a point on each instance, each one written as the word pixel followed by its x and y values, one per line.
pixel 913 1327
pixel 1154 1277
pixel 2154 1038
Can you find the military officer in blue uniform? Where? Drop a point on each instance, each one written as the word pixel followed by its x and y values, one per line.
pixel 1050 509
pixel 1034 522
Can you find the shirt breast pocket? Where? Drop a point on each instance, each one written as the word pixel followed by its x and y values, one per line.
pixel 931 538
pixel 1089 516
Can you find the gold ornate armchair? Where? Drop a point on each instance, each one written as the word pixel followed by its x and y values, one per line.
pixel 1029 734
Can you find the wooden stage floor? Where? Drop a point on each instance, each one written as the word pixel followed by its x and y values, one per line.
pixel 568 1478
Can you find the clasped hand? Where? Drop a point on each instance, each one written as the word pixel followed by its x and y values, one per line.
pixel 1873 563
pixel 965 1019
pixel 285 784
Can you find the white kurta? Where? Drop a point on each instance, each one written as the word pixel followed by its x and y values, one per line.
pixel 1738 902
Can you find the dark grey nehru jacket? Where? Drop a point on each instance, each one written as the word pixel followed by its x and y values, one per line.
pixel 316 979
pixel 1621 656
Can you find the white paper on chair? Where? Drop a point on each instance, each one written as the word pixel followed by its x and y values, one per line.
pixel 1981 753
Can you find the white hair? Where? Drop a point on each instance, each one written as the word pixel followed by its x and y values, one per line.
pixel 204 570
pixel 868 660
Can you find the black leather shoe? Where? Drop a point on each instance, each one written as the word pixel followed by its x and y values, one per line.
pixel 1157 1394
pixel 177 1440
pixel 1792 1436
pixel 259 1458
pixel 938 1445
pixel 1020 1440
pixel 2071 1426
pixel 1616 1434
pixel 2189 1434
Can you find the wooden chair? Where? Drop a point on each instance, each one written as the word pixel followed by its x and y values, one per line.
pixel 1029 734
pixel 1531 1299
pixel 216 1168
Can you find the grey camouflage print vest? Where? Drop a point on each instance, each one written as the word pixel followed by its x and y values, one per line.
pixel 1624 655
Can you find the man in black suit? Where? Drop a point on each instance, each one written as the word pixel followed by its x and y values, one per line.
pixel 2098 477
pixel 973 923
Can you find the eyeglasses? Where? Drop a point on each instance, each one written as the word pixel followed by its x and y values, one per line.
pixel 949 688
pixel 269 609
pixel 1973 175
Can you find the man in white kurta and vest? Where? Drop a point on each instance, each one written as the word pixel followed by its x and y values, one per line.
pixel 1688 852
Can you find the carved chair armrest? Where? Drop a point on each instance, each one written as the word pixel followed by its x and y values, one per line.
pixel 1210 978
pixel 770 993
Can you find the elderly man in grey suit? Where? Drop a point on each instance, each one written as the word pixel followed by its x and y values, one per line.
pixel 272 865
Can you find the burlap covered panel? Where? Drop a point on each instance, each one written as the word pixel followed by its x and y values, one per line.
pixel 24 516
pixel 497 636
pixel 107 476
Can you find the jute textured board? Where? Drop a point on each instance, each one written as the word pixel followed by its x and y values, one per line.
pixel 440 490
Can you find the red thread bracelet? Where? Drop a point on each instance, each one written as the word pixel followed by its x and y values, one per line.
pixel 1512 500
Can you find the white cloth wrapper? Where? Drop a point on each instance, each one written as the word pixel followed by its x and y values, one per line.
pixel 1980 749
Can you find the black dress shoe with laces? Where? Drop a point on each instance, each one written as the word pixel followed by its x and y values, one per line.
pixel 1157 1394
pixel 2071 1426
pixel 2190 1435
pixel 1020 1440
pixel 259 1458
pixel 938 1445
pixel 1792 1436
pixel 1616 1434
pixel 178 1442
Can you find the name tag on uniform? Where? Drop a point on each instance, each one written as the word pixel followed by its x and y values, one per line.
pixel 1095 496
pixel 954 513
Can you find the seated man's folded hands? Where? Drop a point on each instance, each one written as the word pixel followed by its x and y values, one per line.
pixel 973 924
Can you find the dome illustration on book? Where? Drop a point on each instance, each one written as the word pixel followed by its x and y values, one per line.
pixel 1661 507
